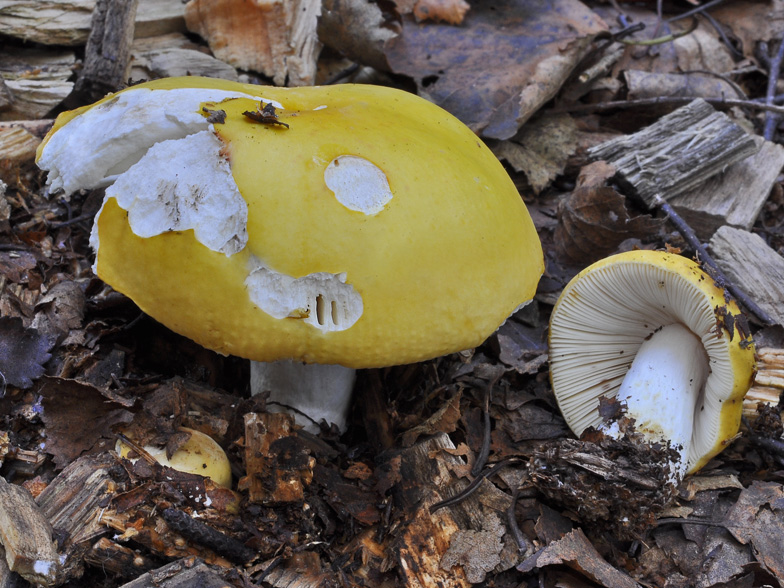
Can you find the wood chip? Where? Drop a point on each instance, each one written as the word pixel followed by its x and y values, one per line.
pixel 67 22
pixel 279 468
pixel 277 38
pixel 38 81
pixel 677 153
pixel 184 573
pixel 735 196
pixel 753 266
pixel 26 536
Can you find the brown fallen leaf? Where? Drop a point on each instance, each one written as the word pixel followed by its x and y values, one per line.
pixel 758 518
pixel 78 419
pixel 22 353
pixel 592 222
pixel 501 65
pixel 541 149
pixel 577 552
pixel 444 420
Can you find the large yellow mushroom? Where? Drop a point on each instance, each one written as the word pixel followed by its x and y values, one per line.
pixel 345 226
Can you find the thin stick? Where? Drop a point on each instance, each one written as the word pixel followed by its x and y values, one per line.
pixel 674 100
pixel 691 238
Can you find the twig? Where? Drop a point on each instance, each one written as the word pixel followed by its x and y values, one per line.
pixel 694 11
pixel 691 238
pixel 773 76
pixel 674 100
pixel 203 534
pixel 664 39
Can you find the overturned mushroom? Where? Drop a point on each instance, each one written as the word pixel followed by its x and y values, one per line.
pixel 344 227
pixel 653 331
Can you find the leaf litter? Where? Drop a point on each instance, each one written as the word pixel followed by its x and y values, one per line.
pixel 81 361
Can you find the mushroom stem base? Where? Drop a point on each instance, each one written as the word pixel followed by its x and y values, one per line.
pixel 315 392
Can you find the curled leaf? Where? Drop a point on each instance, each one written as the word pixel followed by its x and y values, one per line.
pixel 22 352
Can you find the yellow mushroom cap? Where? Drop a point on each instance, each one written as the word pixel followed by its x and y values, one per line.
pixel 200 454
pixel 375 229
pixel 606 312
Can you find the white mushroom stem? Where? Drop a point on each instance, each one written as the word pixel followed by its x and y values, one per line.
pixel 322 392
pixel 662 388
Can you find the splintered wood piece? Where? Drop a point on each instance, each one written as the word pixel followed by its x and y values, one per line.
pixel 768 384
pixel 753 266
pixel 26 536
pixel 424 548
pixel 275 37
pixel 38 80
pixel 278 466
pixel 108 51
pixel 67 22
pixel 183 573
pixel 677 153
pixel 73 502
pixel 174 55
pixel 17 147
pixel 117 560
pixel 734 196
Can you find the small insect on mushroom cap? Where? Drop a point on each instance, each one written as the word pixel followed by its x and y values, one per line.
pixel 352 225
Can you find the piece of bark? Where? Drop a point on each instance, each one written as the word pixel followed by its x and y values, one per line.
pixel 8 579
pixel 278 466
pixel 753 266
pixel 17 152
pixel 26 536
pixel 677 153
pixel 356 29
pixel 734 196
pixel 108 51
pixel 174 55
pixel 276 37
pixel 73 503
pixel 117 560
pixel 38 80
pixel 67 22
pixel 424 475
pixel 768 384
pixel 645 84
pixel 183 573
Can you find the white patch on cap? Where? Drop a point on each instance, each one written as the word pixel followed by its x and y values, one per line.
pixel 321 299
pixel 94 147
pixel 358 184
pixel 184 184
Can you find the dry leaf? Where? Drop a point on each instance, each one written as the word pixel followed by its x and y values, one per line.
pixel 592 222
pixel 22 353
pixel 758 518
pixel 444 420
pixel 577 552
pixel 78 418
pixel 541 149
pixel 506 59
